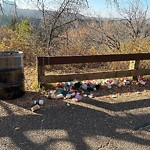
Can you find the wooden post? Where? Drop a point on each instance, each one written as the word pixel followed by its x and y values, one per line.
pixel 40 71
pixel 134 65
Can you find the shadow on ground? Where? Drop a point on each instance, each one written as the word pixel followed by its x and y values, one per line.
pixel 120 106
pixel 73 127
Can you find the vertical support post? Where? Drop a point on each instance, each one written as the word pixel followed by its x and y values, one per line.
pixel 134 65
pixel 40 71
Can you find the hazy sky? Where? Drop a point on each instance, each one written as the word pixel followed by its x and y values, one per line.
pixel 97 7
pixel 103 8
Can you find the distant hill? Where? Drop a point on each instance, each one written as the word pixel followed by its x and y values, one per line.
pixel 22 12
pixel 29 13
pixel 9 9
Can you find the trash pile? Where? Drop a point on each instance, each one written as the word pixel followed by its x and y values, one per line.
pixel 74 90
pixel 77 89
pixel 37 105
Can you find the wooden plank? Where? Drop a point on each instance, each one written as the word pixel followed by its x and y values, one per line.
pixel 91 58
pixel 90 76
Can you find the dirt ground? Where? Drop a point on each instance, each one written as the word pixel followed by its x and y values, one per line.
pixel 115 119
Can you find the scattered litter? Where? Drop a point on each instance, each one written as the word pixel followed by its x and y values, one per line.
pixel 84 86
pixel 17 128
pixel 77 98
pixel 138 92
pixel 42 120
pixel 39 102
pixel 35 108
pixel 51 95
pixel 142 81
pixel 68 104
pixel 97 86
pixel 119 85
pixel 115 82
pixel 90 96
pixel 73 94
pixel 85 95
pixel 48 96
pixel 59 96
pixel 109 86
pixel 73 89
pixel 109 83
pixel 77 89
pixel 114 96
pixel 68 96
pixel 126 81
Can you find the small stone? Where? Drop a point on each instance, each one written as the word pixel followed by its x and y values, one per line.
pixel 17 128
pixel 68 104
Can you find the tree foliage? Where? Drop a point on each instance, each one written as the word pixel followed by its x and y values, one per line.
pixel 66 32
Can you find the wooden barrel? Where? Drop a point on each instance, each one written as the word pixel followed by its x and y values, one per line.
pixel 11 75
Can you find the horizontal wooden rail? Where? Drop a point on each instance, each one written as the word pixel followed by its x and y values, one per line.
pixel 90 76
pixel 133 68
pixel 91 59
